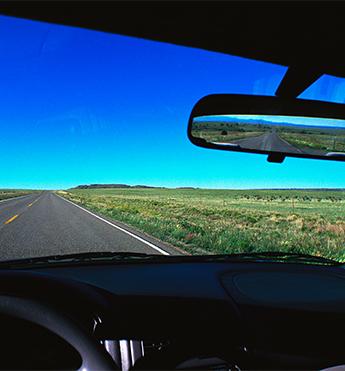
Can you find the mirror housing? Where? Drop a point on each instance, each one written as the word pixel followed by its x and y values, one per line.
pixel 269 125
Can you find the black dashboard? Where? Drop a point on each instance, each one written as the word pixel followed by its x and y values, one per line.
pixel 206 315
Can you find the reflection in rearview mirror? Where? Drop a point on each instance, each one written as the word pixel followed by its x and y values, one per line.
pixel 301 136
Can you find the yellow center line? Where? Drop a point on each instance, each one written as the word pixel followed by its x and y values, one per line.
pixel 9 221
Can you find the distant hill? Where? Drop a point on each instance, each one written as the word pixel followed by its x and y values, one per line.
pixel 96 186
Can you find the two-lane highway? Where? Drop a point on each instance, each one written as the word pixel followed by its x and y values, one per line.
pixel 11 208
pixel 46 224
pixel 268 142
pixel 272 142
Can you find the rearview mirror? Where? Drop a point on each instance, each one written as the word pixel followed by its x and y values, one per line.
pixel 269 125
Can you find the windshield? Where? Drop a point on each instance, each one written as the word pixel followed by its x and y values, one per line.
pixel 95 155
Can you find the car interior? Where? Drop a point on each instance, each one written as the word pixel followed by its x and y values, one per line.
pixel 189 312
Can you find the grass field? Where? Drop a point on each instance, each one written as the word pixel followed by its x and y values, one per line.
pixel 328 140
pixel 10 193
pixel 228 221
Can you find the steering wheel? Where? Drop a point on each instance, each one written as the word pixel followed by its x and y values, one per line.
pixel 93 355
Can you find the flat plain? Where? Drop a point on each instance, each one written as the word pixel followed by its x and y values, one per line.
pixel 205 221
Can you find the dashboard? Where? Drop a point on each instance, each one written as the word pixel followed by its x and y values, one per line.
pixel 198 315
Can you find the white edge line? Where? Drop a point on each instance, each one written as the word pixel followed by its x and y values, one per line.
pixel 117 227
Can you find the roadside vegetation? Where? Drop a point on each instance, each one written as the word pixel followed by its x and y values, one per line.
pixel 201 221
pixel 10 193
pixel 328 140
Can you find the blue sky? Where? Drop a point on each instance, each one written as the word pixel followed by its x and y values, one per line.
pixel 82 107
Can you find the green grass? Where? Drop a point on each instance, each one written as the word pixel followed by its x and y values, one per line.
pixel 11 193
pixel 229 221
pixel 329 140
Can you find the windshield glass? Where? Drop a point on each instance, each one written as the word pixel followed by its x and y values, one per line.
pixel 95 155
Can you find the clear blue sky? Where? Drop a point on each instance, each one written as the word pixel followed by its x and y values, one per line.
pixel 81 107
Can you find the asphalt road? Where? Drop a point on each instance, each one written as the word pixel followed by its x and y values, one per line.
pixel 268 142
pixel 46 224
pixel 272 142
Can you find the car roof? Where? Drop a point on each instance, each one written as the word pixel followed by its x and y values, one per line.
pixel 305 36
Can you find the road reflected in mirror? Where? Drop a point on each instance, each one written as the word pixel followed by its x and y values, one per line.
pixel 290 135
